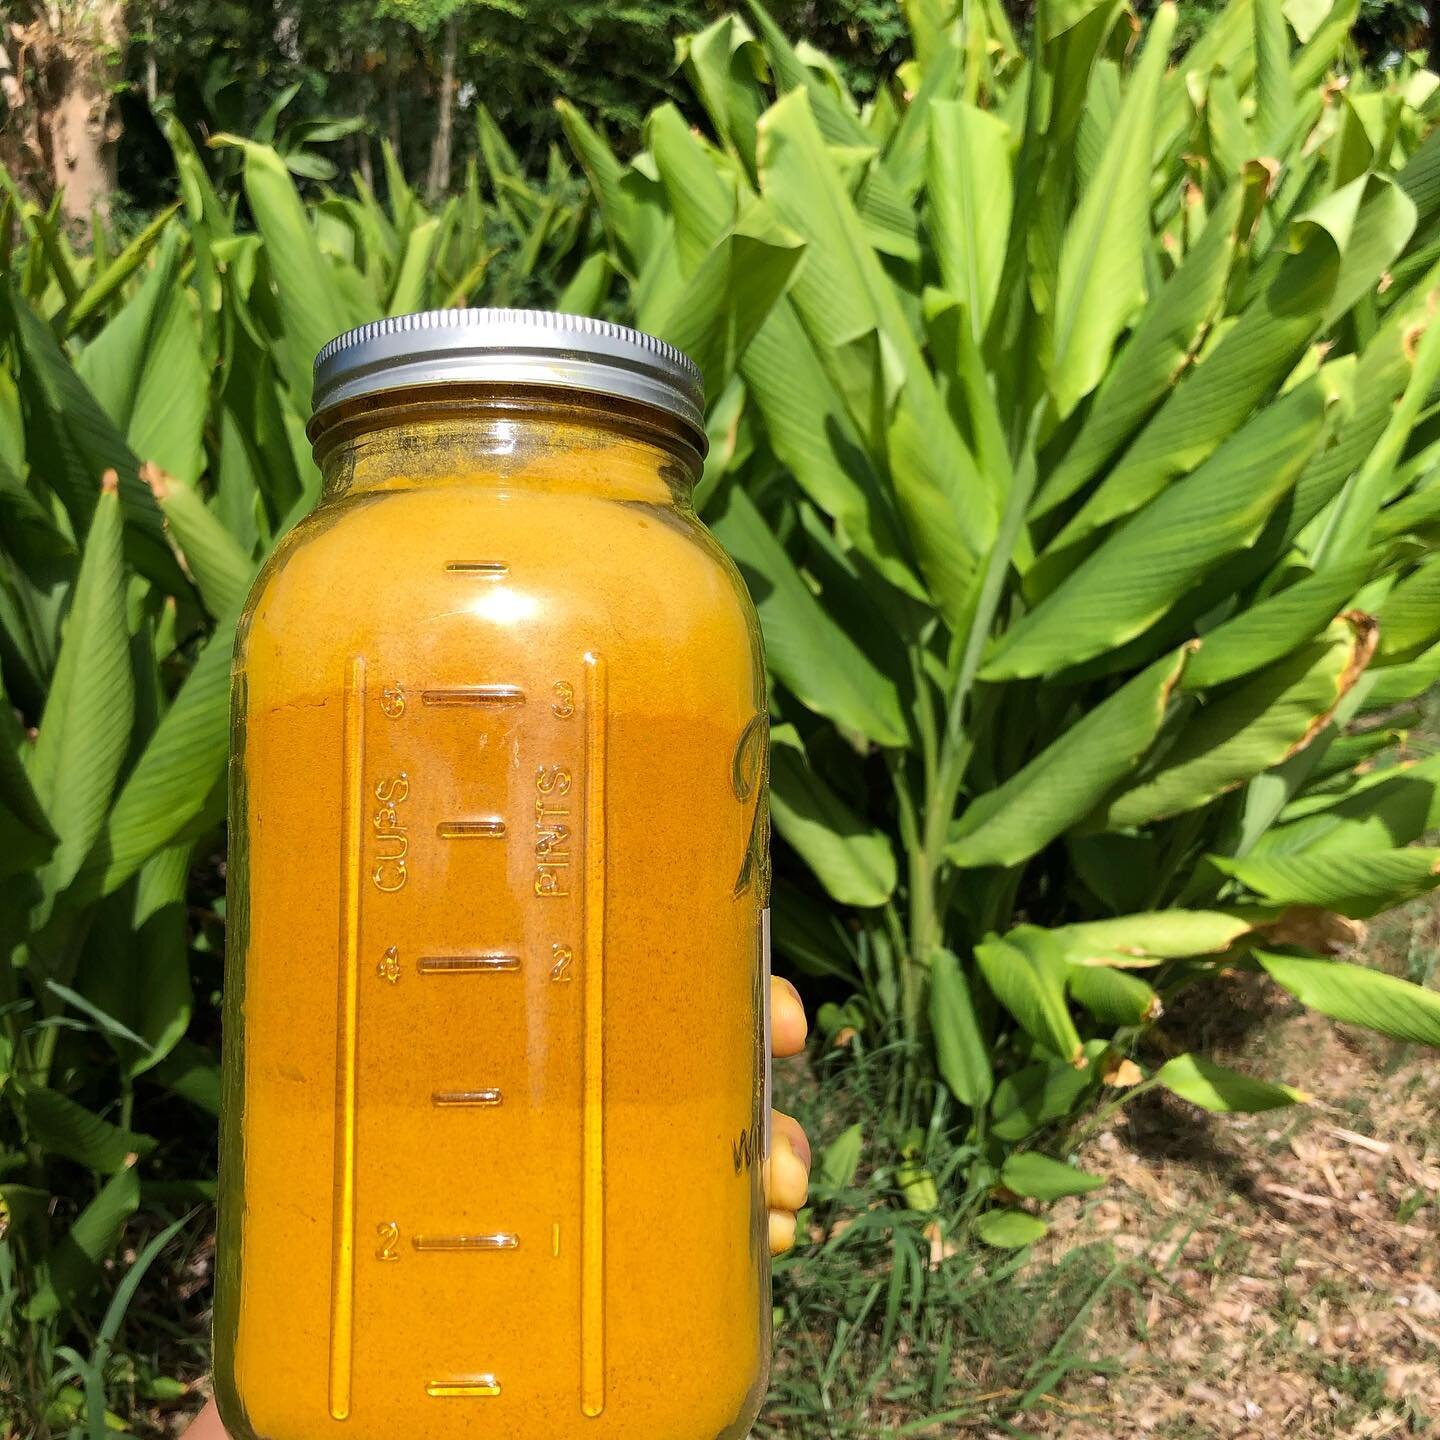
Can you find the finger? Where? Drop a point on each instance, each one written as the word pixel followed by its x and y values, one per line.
pixel 787 1181
pixel 788 1026
pixel 794 1132
pixel 782 1231
pixel 207 1425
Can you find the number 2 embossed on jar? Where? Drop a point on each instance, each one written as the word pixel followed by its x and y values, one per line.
pixel 490 968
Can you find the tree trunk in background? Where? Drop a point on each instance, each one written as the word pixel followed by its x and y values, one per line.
pixel 363 161
pixel 58 76
pixel 439 178
pixel 22 146
pixel 392 109
pixel 84 125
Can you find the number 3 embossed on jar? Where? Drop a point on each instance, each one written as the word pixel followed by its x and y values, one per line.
pixel 495 1101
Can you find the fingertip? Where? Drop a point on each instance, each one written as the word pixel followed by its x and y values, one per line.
pixel 788 1025
pixel 787 1181
pixel 782 1231
pixel 793 1131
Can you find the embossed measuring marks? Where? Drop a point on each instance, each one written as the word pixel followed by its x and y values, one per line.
pixel 553 841
pixel 476 1387
pixel 496 569
pixel 483 1098
pixel 482 695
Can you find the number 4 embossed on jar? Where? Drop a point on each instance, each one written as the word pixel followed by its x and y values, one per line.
pixel 495 984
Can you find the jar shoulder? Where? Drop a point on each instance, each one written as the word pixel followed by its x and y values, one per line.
pixel 445 568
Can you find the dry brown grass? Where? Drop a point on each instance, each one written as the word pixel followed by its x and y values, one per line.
pixel 1287 1264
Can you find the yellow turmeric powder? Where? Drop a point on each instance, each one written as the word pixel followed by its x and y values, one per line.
pixel 495 975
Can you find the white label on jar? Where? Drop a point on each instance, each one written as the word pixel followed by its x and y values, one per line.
pixel 765 963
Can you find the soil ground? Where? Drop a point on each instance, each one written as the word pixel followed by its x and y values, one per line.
pixel 1281 1270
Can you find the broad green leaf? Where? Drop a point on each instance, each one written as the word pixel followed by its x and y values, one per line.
pixel 1164 342
pixel 585 292
pixel 136 964
pixel 1101 281
pixel 1386 809
pixel 85 730
pixel 721 62
pixel 1346 534
pixel 26 837
pixel 883 207
pixel 76 442
pixel 1213 1087
pixel 1359 996
pixel 946 503
pixel 61 1127
pixel 1112 995
pixel 1039 1094
pixel 1372 218
pixel 1419 178
pixel 412 278
pixel 816 660
pixel 1410 615
pixel 840 1160
pixel 1158 934
pixel 1145 565
pixel 147 369
pixel 105 286
pixel 1248 729
pixel 728 297
pixel 633 226
pixel 1324 45
pixel 1026 973
pixel 313 304
pixel 907 148
pixel 970 187
pixel 1210 416
pixel 1274 95
pixel 805 419
pixel 1069 777
pixel 167 422
pixel 72 1266
pixel 1417 511
pixel 1355 884
pixel 1272 628
pixel 175 776
pixel 702 193
pixel 1397 684
pixel 852 861
pixel 1038 1177
pixel 1009 1229
pixel 190 1072
pixel 1343 245
pixel 810 933
pixel 842 293
pixel 221 569
pixel 1121 871
pixel 147 372
pixel 962 1052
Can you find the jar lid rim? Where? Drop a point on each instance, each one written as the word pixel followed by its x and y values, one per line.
pixel 514 347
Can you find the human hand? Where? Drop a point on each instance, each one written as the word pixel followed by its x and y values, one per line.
pixel 786 1172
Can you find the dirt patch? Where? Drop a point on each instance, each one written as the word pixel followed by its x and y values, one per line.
pixel 1284 1268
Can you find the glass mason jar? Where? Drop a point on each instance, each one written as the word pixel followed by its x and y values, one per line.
pixel 494 1107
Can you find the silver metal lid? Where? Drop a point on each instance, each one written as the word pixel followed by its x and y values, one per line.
pixel 510 347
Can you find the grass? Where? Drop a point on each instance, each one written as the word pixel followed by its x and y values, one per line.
pixel 892 1321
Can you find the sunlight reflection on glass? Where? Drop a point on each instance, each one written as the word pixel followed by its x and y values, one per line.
pixel 504 606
